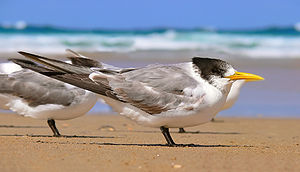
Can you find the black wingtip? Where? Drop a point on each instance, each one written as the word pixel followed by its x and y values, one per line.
pixel 27 64
pixel 29 55
pixel 15 60
pixel 23 53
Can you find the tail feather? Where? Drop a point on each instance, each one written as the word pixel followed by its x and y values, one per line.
pixel 75 53
pixel 59 66
pixel 81 80
pixel 80 61
pixel 30 65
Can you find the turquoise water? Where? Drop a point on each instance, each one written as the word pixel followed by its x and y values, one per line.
pixel 256 43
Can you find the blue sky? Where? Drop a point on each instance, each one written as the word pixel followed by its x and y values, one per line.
pixel 120 14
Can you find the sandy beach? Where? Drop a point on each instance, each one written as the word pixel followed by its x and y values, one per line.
pixel 113 143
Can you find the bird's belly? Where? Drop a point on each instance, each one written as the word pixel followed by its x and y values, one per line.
pixel 199 115
pixel 53 111
pixel 185 119
pixel 175 119
pixel 69 112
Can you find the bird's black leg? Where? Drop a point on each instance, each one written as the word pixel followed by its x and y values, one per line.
pixel 52 125
pixel 181 130
pixel 167 135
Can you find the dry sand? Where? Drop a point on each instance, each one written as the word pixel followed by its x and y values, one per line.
pixel 113 143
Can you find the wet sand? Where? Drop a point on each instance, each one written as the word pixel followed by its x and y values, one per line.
pixel 113 143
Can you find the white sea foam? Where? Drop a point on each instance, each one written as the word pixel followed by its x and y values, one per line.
pixel 251 45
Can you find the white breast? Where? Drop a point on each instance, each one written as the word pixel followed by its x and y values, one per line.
pixel 233 94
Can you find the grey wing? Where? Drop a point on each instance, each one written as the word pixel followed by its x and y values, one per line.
pixel 153 89
pixel 37 89
pixel 170 79
pixel 26 75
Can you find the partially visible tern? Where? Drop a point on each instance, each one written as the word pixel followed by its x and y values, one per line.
pixel 33 95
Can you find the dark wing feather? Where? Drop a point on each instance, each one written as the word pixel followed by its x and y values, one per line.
pixel 79 80
pixel 80 61
pixel 59 66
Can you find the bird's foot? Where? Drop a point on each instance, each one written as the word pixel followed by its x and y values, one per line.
pixel 57 135
pixel 181 130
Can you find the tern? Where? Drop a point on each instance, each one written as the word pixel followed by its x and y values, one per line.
pixel 162 96
pixel 33 95
pixel 80 59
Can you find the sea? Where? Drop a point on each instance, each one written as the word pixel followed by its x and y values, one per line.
pixel 272 42
pixel 277 96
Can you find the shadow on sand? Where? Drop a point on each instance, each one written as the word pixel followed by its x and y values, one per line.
pixel 187 132
pixel 145 145
pixel 20 126
pixel 207 132
pixel 165 145
pixel 217 121
pixel 62 136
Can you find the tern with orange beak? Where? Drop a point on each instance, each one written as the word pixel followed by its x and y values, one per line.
pixel 161 96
